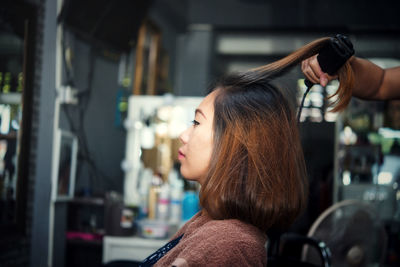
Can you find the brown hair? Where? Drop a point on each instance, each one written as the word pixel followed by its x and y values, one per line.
pixel 345 73
pixel 257 172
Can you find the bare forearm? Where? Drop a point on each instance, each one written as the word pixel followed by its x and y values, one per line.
pixel 373 82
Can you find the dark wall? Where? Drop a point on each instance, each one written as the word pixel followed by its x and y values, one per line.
pixel 367 14
pixel 172 21
pixel 96 78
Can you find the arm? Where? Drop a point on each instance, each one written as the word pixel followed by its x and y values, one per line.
pixel 371 81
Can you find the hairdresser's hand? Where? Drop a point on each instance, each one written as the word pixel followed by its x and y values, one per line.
pixel 313 72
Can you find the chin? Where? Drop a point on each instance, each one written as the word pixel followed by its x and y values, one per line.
pixel 187 175
pixel 183 172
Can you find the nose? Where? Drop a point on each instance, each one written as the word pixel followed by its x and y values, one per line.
pixel 184 137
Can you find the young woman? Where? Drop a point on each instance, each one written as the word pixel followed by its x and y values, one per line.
pixel 244 150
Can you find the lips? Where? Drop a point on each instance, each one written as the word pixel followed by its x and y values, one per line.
pixel 181 155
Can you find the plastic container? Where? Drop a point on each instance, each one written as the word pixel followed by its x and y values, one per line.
pixel 153 229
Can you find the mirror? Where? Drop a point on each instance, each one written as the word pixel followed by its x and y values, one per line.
pixel 67 146
pixel 16 80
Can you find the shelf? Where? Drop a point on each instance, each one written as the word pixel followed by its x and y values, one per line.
pixel 82 201
pixel 10 98
pixel 82 242
pixel 129 248
pixel 8 136
pixel 87 201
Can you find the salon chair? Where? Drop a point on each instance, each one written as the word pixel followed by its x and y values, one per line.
pixel 286 250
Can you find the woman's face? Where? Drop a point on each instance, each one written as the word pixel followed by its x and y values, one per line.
pixel 197 142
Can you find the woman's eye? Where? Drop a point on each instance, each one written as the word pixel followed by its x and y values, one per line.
pixel 195 123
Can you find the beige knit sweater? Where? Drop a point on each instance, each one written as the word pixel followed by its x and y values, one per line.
pixel 208 242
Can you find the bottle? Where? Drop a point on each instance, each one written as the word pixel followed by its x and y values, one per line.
pixel 153 196
pixel 163 203
pixel 144 188
pixel 175 209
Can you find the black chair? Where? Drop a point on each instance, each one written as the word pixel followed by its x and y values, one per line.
pixel 285 250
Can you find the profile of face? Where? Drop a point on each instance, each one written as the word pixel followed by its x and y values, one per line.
pixel 197 142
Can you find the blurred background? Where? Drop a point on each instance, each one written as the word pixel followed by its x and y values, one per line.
pixel 94 94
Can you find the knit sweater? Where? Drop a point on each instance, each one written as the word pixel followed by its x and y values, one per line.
pixel 208 242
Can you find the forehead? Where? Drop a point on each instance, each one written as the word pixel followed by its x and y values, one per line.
pixel 207 105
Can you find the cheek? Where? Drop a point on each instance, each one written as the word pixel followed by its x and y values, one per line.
pixel 202 147
pixel 198 157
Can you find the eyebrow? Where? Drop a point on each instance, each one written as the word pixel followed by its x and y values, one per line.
pixel 201 112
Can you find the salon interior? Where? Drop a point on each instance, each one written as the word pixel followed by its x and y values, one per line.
pixel 94 96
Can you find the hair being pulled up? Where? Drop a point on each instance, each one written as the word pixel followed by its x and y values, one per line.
pixel 278 68
pixel 257 172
